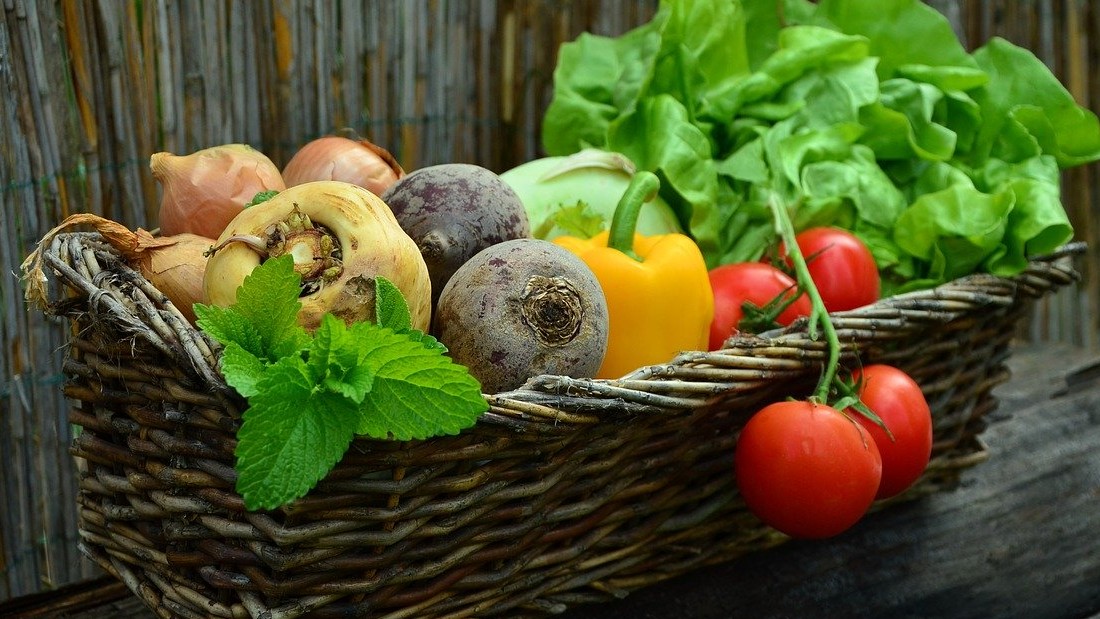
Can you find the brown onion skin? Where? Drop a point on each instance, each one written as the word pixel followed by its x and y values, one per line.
pixel 177 270
pixel 205 190
pixel 337 158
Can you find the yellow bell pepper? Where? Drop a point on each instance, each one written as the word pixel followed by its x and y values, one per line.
pixel 659 299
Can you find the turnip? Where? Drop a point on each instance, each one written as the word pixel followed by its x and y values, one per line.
pixel 521 308
pixel 576 195
pixel 341 237
pixel 452 211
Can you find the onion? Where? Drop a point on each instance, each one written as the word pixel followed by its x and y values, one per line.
pixel 338 158
pixel 203 191
pixel 174 265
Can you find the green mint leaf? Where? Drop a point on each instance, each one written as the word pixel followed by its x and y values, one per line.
pixel 268 298
pixel 390 308
pixel 428 341
pixel 291 436
pixel 227 326
pixel 417 391
pixel 242 369
pixel 264 320
pixel 334 360
pixel 354 384
pixel 262 197
pixel 310 394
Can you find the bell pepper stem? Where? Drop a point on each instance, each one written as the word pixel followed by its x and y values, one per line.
pixel 819 316
pixel 643 187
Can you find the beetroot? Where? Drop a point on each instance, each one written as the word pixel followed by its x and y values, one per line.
pixel 521 308
pixel 454 210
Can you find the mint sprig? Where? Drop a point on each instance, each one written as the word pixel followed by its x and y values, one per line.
pixel 310 395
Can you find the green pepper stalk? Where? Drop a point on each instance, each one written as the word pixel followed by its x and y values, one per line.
pixel 643 188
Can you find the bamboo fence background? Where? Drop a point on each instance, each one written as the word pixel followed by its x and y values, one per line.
pixel 93 88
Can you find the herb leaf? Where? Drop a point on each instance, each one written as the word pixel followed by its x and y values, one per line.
pixel 309 395
pixel 291 436
pixel 242 369
pixel 417 392
pixel 390 308
pixel 335 360
pixel 264 320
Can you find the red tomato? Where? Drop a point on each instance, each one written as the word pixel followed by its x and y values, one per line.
pixel 841 266
pixel 897 399
pixel 806 469
pixel 755 282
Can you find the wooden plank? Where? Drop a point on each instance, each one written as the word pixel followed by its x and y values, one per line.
pixel 1017 539
pixel 36 147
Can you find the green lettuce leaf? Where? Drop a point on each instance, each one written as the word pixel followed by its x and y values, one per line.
pixel 953 231
pixel 866 114
pixel 900 32
pixel 682 159
pixel 596 79
pixel 1026 109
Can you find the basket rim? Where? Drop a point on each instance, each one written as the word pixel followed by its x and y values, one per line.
pixel 790 351
pixel 794 348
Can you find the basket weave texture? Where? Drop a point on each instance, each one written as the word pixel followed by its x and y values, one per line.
pixel 567 491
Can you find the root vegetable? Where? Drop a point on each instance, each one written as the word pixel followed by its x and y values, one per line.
pixel 174 265
pixel 453 211
pixel 340 158
pixel 203 191
pixel 576 195
pixel 521 308
pixel 341 236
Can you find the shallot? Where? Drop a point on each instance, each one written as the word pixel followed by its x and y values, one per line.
pixel 338 158
pixel 203 191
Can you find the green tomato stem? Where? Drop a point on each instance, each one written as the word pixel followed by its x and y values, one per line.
pixel 643 187
pixel 819 316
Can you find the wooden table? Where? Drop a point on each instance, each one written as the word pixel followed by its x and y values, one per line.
pixel 1019 538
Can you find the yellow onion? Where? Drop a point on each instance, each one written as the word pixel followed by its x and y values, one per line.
pixel 341 236
pixel 203 191
pixel 174 265
pixel 339 158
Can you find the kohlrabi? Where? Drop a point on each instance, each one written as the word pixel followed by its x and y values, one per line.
pixel 577 194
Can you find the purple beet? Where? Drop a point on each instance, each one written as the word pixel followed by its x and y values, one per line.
pixel 453 211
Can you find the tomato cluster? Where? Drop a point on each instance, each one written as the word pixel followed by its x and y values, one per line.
pixel 805 467
pixel 812 471
pixel 754 296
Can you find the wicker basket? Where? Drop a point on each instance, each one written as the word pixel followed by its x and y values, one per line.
pixel 567 491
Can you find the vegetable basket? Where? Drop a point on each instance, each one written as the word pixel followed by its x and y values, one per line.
pixel 567 491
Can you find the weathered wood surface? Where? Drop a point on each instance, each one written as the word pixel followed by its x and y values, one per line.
pixel 1018 538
